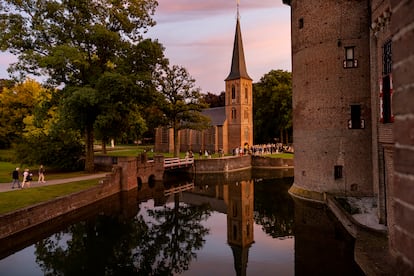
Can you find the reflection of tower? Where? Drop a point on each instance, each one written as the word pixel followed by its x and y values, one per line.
pixel 240 222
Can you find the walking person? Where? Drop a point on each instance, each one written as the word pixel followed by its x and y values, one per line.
pixel 27 177
pixel 15 177
pixel 41 178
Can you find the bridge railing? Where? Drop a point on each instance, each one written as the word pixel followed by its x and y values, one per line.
pixel 177 162
pixel 174 190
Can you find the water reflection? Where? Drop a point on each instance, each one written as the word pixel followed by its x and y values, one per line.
pixel 322 245
pixel 242 223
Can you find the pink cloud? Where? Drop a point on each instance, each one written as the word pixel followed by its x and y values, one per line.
pixel 175 9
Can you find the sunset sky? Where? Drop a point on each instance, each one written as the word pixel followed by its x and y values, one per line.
pixel 199 34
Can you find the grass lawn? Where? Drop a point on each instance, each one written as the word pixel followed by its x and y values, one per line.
pixel 280 155
pixel 14 200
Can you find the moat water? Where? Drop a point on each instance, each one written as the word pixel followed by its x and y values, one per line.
pixel 243 223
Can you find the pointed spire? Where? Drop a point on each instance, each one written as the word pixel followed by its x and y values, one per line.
pixel 238 63
pixel 238 5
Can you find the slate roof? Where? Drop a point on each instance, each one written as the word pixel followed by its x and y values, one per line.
pixel 238 63
pixel 216 114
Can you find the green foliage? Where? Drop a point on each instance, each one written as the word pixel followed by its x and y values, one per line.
pixel 61 151
pixel 72 41
pixel 6 169
pixel 120 115
pixel 215 100
pixel 272 106
pixel 18 103
pixel 78 44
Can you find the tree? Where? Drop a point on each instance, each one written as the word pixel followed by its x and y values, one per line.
pixel 272 106
pixel 180 103
pixel 75 43
pixel 120 115
pixel 215 100
pixel 17 103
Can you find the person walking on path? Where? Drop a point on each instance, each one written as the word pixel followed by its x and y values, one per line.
pixel 15 177
pixel 27 177
pixel 41 178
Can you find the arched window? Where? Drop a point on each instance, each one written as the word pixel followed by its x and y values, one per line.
pixel 246 95
pixel 233 92
pixel 233 113
pixel 234 210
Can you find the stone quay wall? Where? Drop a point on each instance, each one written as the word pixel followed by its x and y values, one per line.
pixel 271 163
pixel 237 163
pixel 225 164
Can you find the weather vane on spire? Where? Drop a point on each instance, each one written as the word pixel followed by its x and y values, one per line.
pixel 238 4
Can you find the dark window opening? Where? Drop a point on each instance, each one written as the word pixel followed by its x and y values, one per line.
pixel 387 58
pixel 338 172
pixel 233 92
pixel 386 100
pixel 355 116
pixel 234 211
pixel 301 23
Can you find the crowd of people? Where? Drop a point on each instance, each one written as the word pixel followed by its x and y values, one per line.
pixel 27 177
pixel 261 149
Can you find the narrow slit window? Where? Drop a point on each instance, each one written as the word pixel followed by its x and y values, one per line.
pixel 338 172
pixel 300 23
pixel 386 100
pixel 355 116
pixel 233 114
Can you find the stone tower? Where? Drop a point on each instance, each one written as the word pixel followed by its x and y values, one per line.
pixel 239 98
pixel 331 97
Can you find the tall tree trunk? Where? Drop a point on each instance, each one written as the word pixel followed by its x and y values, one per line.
pixel 281 135
pixel 89 162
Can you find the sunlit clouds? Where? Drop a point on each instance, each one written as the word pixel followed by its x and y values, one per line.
pixel 199 36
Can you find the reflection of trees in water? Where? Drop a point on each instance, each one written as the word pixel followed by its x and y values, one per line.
pixel 97 247
pixel 176 233
pixel 109 246
pixel 273 207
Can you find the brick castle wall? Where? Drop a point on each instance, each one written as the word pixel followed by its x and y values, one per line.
pixel 402 236
pixel 323 92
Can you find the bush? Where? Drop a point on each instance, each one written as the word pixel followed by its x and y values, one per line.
pixel 62 152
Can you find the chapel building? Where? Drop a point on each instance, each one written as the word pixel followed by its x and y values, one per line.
pixel 231 125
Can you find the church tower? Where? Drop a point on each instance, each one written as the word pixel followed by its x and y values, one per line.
pixel 239 97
